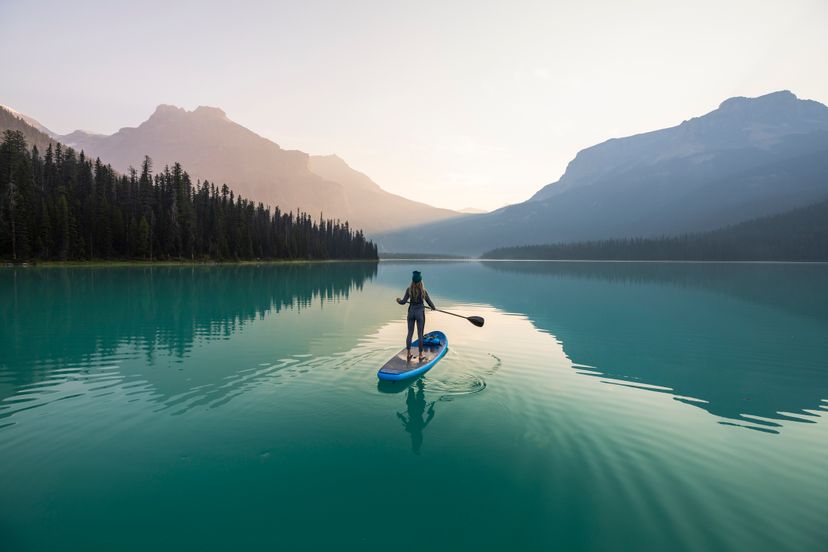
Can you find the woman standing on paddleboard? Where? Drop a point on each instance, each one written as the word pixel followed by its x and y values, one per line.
pixel 416 296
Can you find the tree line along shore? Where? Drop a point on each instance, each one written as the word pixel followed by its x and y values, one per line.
pixel 61 206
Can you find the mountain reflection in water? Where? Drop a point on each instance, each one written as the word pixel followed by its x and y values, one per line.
pixel 746 342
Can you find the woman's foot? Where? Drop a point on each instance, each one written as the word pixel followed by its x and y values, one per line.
pixel 422 357
pixel 410 356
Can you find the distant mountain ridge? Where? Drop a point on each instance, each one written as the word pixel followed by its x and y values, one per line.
pixel 797 235
pixel 215 148
pixel 739 123
pixel 749 158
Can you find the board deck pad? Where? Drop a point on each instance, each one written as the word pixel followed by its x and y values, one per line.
pixel 400 364
pixel 398 367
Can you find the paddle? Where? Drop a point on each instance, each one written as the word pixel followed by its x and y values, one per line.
pixel 476 320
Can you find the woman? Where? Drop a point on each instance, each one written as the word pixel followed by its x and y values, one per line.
pixel 416 295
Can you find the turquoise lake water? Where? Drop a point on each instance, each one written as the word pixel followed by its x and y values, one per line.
pixel 604 406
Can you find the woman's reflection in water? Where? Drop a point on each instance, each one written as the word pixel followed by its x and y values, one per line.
pixel 414 423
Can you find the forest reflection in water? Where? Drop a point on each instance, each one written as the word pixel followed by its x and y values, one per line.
pixel 744 341
pixel 58 322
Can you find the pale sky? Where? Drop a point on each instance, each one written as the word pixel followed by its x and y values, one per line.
pixel 458 104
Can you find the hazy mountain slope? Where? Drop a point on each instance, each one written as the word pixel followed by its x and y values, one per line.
pixel 370 202
pixel 739 125
pixel 215 148
pixel 749 158
pixel 35 133
pixel 797 235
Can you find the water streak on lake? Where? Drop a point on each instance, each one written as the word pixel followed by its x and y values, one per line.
pixel 604 406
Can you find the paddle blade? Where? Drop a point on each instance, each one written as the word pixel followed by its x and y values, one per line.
pixel 476 320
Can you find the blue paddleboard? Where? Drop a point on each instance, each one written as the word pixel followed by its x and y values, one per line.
pixel 399 367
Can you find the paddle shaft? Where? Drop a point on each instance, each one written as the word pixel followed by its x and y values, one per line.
pixel 476 320
pixel 451 313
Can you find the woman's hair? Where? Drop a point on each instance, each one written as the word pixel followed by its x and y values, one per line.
pixel 416 291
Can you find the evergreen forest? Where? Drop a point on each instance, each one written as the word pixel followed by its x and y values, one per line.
pixel 62 205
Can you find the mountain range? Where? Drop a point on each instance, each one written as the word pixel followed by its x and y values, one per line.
pixel 214 148
pixel 749 158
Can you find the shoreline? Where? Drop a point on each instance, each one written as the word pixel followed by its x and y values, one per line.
pixel 618 261
pixel 138 263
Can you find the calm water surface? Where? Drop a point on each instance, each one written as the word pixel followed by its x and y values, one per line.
pixel 617 406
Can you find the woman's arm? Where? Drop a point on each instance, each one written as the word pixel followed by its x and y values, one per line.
pixel 404 299
pixel 428 300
